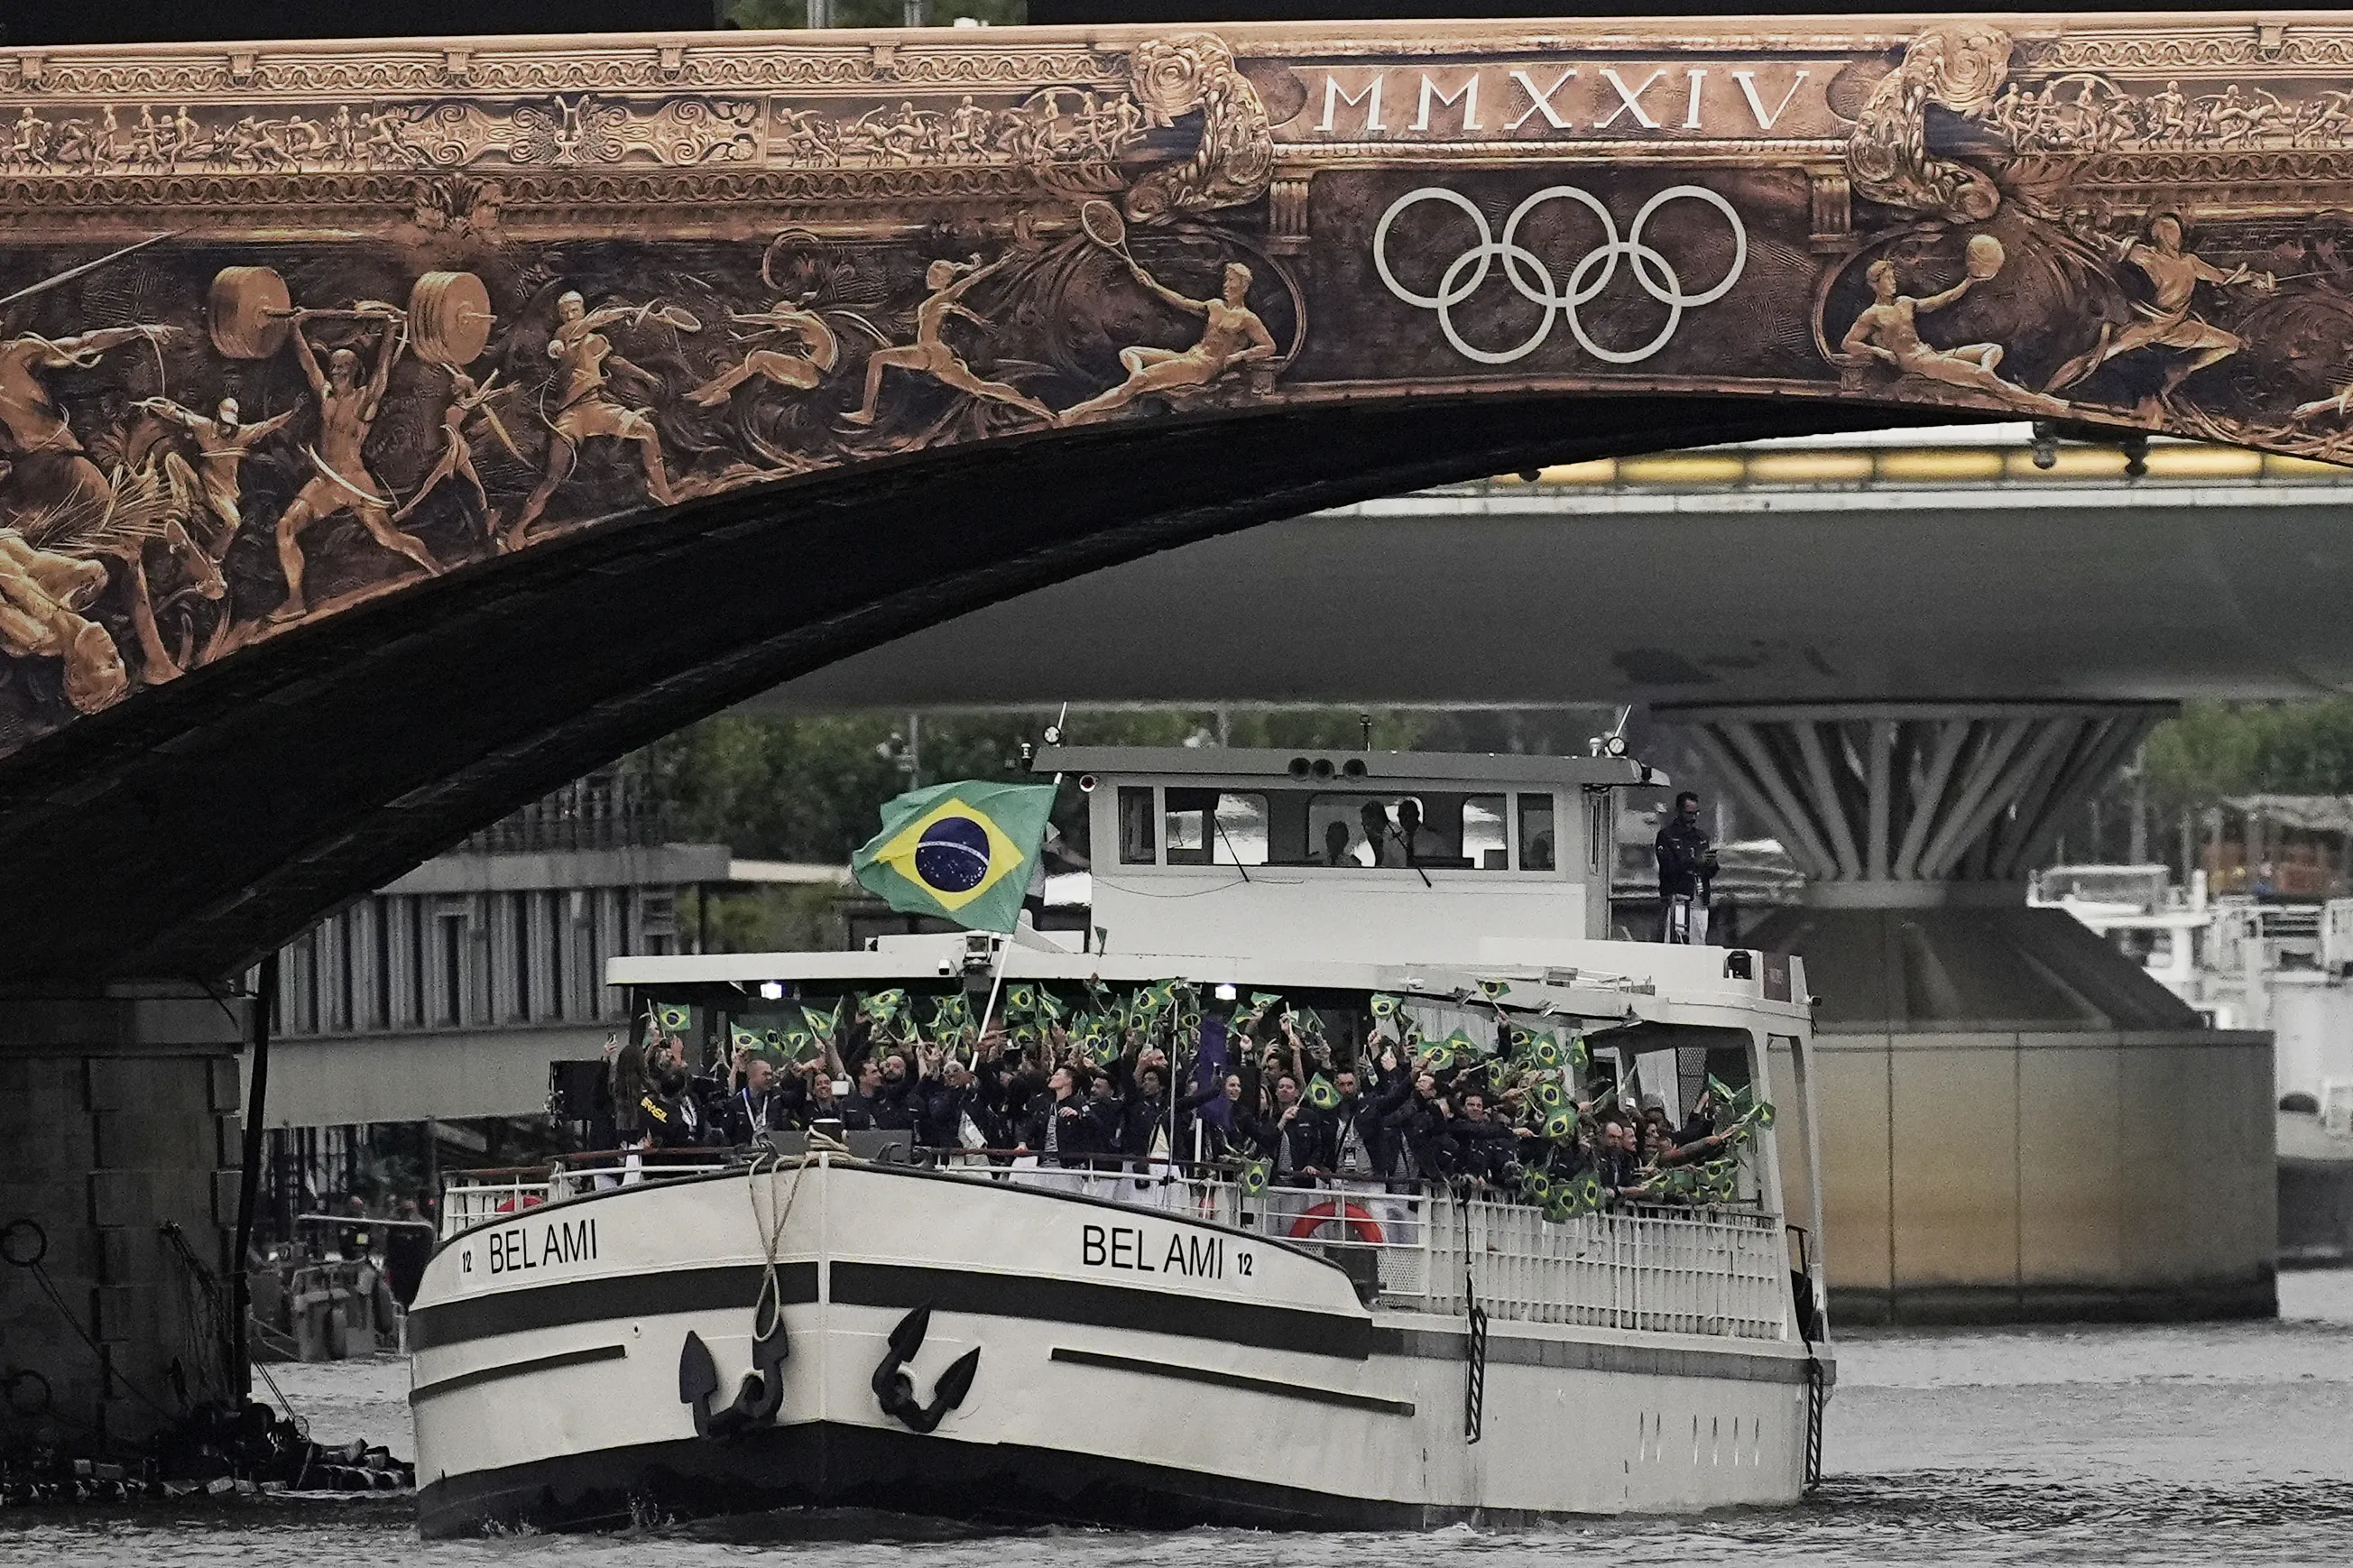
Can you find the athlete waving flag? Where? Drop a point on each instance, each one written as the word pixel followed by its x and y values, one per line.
pixel 960 851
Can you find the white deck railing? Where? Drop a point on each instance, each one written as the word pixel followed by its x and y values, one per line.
pixel 469 1197
pixel 1720 1272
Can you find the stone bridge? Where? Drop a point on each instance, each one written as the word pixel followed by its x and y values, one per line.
pixel 389 433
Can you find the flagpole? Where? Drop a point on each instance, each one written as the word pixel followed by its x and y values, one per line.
pixel 997 981
pixel 1005 953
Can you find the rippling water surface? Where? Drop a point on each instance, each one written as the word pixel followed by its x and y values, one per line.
pixel 2208 1445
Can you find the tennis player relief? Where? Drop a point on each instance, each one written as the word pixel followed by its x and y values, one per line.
pixel 960 851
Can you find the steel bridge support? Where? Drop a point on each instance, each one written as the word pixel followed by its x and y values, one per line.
pixel 2019 1123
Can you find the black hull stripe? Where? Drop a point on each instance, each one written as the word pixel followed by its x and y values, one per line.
pixel 1103 1307
pixel 631 1296
pixel 1234 1380
pixel 823 1465
pixel 621 1296
pixel 903 1287
pixel 517 1368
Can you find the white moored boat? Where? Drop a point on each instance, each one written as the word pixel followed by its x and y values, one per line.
pixel 973 1336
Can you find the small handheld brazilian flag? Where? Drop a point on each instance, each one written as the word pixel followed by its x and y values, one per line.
pixel 960 851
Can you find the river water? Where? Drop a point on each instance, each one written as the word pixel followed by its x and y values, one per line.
pixel 2164 1445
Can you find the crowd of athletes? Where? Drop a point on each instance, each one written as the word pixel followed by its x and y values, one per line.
pixel 1279 1105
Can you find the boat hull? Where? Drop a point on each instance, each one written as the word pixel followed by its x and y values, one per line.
pixel 1143 1370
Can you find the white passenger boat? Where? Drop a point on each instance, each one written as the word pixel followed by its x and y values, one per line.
pixel 959 1336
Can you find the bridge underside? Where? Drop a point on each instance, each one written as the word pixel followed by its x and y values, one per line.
pixel 1523 596
pixel 228 807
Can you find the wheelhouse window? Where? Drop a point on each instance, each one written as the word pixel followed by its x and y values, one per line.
pixel 1436 832
pixel 1214 827
pixel 1536 840
pixel 1431 830
pixel 1135 842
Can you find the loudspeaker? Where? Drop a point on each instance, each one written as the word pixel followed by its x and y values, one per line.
pixel 574 1090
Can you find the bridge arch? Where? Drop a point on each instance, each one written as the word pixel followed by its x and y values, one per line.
pixel 579 391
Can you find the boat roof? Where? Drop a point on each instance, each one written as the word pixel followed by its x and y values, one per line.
pixel 1592 979
pixel 1320 765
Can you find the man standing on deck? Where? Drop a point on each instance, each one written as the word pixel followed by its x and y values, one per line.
pixel 1686 870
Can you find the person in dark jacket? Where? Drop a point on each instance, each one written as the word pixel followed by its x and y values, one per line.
pixel 1228 1127
pixel 1144 1121
pixel 1418 1127
pixel 865 1096
pixel 1105 1107
pixel 824 1105
pixel 759 1106
pixel 1057 1128
pixel 673 1116
pixel 1292 1141
pixel 627 1081
pixel 1687 868
pixel 894 1097
pixel 1353 1136
pixel 944 1100
pixel 1482 1145
pixel 1616 1161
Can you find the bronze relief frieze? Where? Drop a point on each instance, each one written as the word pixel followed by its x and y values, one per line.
pixel 287 328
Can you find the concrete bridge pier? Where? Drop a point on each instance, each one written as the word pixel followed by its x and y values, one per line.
pixel 2018 1123
pixel 118 1117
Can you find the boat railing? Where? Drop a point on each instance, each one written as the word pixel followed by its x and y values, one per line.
pixel 1720 1271
pixel 1715 1271
pixel 472 1196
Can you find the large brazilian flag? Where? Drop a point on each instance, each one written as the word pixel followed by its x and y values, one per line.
pixel 960 851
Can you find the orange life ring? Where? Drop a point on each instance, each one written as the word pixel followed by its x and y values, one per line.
pixel 1362 1226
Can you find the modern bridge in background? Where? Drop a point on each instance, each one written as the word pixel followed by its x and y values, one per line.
pixel 2017 1116
pixel 586 387
pixel 1915 565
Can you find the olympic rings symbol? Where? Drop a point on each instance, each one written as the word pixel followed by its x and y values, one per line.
pixel 1527 273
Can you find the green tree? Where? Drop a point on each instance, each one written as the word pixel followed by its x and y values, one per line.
pixel 2216 749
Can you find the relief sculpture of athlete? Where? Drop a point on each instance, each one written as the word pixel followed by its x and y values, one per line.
pixel 585 407
pixel 348 408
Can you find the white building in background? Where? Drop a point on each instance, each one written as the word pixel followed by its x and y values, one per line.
pixel 446 993
pixel 2244 963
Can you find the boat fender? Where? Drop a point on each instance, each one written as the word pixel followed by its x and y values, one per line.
pixel 761 1395
pixel 895 1391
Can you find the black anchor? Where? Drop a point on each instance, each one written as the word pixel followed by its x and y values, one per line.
pixel 760 1397
pixel 896 1390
